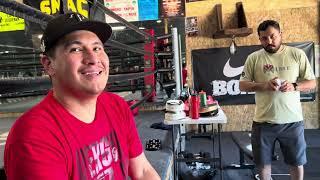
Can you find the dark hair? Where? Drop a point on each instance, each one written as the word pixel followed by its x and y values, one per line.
pixel 265 24
pixel 50 52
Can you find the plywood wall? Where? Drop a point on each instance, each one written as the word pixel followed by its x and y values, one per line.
pixel 20 1
pixel 298 20
pixel 201 8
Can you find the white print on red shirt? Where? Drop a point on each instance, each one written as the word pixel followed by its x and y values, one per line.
pixel 101 157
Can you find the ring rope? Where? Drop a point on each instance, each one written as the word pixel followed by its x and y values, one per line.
pixel 34 15
pixel 120 19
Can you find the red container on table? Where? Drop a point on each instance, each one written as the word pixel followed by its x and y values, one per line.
pixel 194 106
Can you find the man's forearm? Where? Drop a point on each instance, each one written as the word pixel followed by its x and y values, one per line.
pixel 249 86
pixel 306 85
pixel 150 173
pixel 141 169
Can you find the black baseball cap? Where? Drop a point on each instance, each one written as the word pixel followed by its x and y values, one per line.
pixel 67 23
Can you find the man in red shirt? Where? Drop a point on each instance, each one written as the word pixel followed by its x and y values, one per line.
pixel 77 131
pixel 184 74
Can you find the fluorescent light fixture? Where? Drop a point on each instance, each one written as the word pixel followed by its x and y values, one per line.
pixel 142 28
pixel 159 21
pixel 117 28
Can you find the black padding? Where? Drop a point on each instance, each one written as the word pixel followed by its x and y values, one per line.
pixel 153 145
pixel 2 174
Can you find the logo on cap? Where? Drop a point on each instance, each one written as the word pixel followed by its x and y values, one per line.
pixel 79 17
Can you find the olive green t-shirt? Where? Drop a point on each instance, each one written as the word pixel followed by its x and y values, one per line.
pixel 290 64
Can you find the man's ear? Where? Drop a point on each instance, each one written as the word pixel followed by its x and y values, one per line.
pixel 46 62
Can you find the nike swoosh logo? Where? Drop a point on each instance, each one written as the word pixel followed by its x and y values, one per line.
pixel 229 71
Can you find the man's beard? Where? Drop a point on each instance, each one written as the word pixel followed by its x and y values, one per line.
pixel 269 48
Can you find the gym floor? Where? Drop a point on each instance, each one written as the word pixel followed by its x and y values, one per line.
pixel 162 159
pixel 230 153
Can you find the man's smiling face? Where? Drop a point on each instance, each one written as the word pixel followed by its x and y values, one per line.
pixel 79 64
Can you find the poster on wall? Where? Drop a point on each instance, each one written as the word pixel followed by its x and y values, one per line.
pixel 217 72
pixel 133 10
pixel 192 26
pixel 127 9
pixel 10 23
pixel 172 8
pixel 148 10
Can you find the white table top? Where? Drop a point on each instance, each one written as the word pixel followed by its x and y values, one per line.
pixel 217 119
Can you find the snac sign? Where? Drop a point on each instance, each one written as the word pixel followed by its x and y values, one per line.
pixel 54 6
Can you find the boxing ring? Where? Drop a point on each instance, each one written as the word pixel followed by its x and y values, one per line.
pixel 149 54
pixel 157 62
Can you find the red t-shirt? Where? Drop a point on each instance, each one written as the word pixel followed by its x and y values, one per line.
pixel 47 142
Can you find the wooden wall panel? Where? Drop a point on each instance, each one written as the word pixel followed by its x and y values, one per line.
pixel 20 1
pixel 201 8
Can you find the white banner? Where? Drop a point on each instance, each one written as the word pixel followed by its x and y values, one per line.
pixel 127 9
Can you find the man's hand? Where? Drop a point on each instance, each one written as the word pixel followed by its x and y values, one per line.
pixel 286 87
pixel 272 84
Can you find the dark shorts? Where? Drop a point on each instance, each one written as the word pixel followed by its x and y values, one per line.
pixel 290 137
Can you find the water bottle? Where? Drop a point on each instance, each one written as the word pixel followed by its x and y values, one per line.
pixel 194 106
